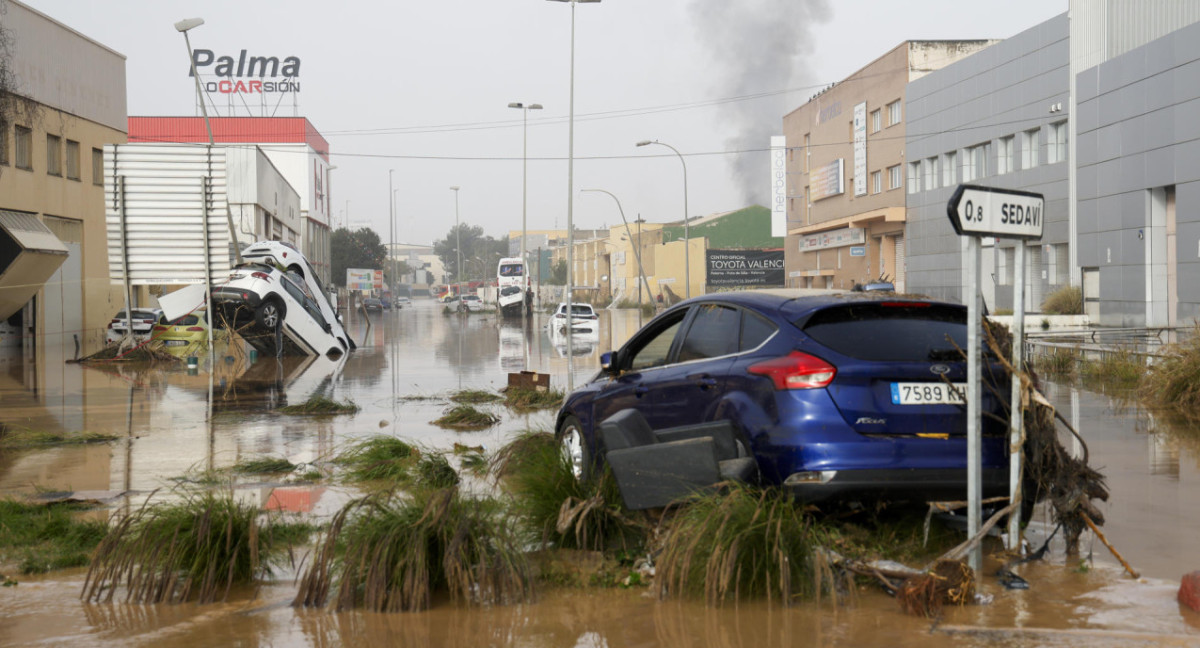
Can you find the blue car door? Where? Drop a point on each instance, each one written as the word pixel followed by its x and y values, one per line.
pixel 641 363
pixel 687 391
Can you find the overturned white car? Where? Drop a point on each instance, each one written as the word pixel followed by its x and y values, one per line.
pixel 275 302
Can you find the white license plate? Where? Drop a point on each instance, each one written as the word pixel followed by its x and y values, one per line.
pixel 928 393
pixel 176 342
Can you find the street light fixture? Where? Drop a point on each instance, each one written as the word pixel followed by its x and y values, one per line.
pixel 637 251
pixel 687 268
pixel 571 194
pixel 391 235
pixel 457 245
pixel 524 174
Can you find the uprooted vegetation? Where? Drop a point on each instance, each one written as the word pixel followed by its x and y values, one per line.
pixel 14 437
pixel 524 399
pixel 390 552
pixel 465 417
pixel 1173 381
pixel 474 397
pixel 320 406
pixel 43 537
pixel 389 462
pixel 195 549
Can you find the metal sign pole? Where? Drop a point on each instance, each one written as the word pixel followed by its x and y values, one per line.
pixel 974 458
pixel 1016 411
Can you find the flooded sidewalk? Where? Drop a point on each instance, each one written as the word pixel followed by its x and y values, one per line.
pixel 168 430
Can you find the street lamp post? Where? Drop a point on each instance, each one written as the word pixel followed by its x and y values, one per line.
pixel 637 252
pixel 524 175
pixel 391 235
pixel 687 244
pixel 571 194
pixel 457 245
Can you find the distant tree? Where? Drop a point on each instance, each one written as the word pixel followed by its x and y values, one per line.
pixel 13 105
pixel 480 253
pixel 360 248
pixel 558 273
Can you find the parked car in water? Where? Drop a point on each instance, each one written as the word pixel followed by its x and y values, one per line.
pixel 403 301
pixel 143 325
pixel 265 304
pixel 471 303
pixel 184 334
pixel 583 319
pixel 372 304
pixel 850 396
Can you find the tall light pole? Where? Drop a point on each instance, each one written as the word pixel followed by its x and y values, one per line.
pixel 524 173
pixel 391 235
pixel 395 266
pixel 571 195
pixel 457 245
pixel 637 252
pixel 687 244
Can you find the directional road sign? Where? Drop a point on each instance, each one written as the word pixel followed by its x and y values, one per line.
pixel 1003 213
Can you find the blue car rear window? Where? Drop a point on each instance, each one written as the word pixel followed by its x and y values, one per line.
pixel 890 333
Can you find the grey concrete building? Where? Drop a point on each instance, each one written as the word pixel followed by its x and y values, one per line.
pixel 1138 169
pixel 997 118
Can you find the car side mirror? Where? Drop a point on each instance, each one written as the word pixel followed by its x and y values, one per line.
pixel 608 362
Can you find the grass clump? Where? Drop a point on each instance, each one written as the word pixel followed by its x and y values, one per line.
pixel 533 399
pixel 465 417
pixel 379 458
pixel 45 537
pixel 26 438
pixel 474 397
pixel 391 554
pixel 433 470
pixel 196 549
pixel 1058 362
pixel 320 406
pixel 264 466
pixel 742 543
pixel 1174 380
pixel 1121 367
pixel 557 509
pixel 1067 300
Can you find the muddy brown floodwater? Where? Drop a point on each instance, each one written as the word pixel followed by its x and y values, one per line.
pixel 169 427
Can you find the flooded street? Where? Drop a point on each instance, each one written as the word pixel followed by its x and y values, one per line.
pixel 168 428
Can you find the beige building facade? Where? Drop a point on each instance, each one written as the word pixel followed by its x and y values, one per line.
pixel 52 169
pixel 846 171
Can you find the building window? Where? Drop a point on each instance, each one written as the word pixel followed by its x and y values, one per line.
pixel 807 152
pixel 1056 143
pixel 53 155
pixel 98 167
pixel 72 160
pixel 975 164
pixel 1029 149
pixel 876 182
pixel 950 169
pixel 894 178
pixel 876 120
pixel 893 113
pixel 1004 155
pixel 929 167
pixel 807 207
pixel 24 148
pixel 4 145
pixel 914 177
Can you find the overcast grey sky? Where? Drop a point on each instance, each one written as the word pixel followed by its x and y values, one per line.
pixel 423 88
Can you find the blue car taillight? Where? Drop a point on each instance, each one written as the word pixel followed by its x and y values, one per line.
pixel 796 370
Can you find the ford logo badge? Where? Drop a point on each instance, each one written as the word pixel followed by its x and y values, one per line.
pixel 940 369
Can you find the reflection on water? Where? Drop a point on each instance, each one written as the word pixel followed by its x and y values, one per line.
pixel 167 424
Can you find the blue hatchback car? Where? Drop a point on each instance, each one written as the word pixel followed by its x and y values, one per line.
pixel 844 396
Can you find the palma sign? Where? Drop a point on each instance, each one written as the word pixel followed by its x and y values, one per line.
pixel 247 74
